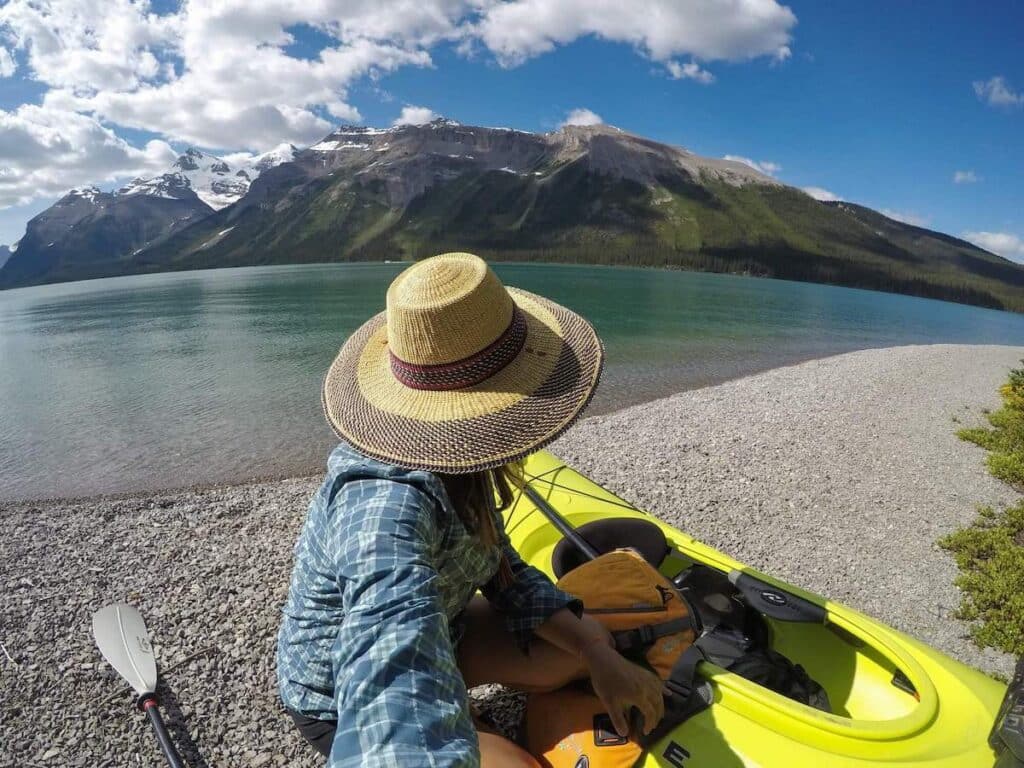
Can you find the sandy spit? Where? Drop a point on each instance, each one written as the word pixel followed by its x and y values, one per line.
pixel 836 474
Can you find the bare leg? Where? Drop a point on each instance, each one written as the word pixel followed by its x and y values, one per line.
pixel 498 752
pixel 488 653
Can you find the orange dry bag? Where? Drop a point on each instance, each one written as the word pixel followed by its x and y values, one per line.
pixel 651 623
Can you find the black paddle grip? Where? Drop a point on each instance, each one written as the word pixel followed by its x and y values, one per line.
pixel 147 703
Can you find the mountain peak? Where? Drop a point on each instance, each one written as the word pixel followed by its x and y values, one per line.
pixel 89 191
pixel 590 128
pixel 441 122
pixel 190 159
pixel 216 182
pixel 88 194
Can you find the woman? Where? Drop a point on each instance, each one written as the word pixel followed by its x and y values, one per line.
pixel 435 400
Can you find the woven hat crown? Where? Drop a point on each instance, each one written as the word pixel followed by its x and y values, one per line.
pixel 445 309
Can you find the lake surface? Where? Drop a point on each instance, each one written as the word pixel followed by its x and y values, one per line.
pixel 170 380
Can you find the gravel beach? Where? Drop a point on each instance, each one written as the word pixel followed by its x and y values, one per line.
pixel 836 474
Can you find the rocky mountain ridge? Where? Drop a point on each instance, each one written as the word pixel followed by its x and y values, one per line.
pixel 90 230
pixel 592 194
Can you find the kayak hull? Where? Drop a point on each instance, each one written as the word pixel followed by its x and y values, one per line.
pixel 940 720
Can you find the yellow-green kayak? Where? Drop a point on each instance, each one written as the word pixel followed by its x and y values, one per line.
pixel 942 718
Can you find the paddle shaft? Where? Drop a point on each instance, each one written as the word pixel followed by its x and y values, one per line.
pixel 561 523
pixel 148 704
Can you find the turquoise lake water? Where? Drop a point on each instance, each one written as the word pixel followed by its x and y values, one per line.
pixel 170 380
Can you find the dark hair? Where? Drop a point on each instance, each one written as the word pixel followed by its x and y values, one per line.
pixel 478 496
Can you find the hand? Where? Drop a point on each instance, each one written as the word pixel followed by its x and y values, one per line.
pixel 621 685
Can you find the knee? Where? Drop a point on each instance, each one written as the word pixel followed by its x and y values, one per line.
pixel 497 752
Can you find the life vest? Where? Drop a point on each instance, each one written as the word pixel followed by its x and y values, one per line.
pixel 652 624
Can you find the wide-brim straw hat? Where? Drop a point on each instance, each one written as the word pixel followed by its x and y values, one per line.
pixel 460 373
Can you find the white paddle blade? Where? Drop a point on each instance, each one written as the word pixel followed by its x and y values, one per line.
pixel 123 640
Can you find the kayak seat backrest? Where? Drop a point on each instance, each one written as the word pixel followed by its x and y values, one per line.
pixel 609 534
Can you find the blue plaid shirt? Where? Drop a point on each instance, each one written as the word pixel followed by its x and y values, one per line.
pixel 383 569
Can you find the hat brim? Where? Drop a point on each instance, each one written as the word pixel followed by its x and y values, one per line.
pixel 519 410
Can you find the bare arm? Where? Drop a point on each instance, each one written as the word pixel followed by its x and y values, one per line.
pixel 620 684
pixel 574 635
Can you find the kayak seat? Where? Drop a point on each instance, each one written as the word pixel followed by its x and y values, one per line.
pixel 609 534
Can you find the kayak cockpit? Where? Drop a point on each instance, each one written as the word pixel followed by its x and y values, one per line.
pixel 892 699
pixel 874 690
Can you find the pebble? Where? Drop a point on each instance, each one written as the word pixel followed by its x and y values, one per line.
pixel 837 474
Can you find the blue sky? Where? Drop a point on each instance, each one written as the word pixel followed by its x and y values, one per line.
pixel 885 104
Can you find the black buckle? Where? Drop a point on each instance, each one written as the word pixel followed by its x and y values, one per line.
pixel 628 640
pixel 604 732
pixel 623 640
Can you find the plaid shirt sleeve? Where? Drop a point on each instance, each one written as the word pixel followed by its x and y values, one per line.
pixel 530 600
pixel 401 699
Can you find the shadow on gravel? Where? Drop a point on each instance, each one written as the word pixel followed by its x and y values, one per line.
pixel 177 724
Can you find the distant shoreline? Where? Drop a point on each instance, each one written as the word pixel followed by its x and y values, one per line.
pixel 181 269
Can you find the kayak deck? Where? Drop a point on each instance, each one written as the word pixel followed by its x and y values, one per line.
pixel 894 699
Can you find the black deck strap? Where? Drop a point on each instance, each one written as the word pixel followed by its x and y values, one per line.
pixel 688 695
pixel 643 637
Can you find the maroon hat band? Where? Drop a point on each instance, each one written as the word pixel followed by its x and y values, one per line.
pixel 468 371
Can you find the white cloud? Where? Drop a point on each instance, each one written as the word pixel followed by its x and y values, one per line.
pixel 1005 244
pixel 766 167
pixel 821 194
pixel 8 65
pixel 965 177
pixel 46 152
pixel 710 30
pixel 907 217
pixel 581 116
pixel 996 92
pixel 224 75
pixel 690 70
pixel 66 47
pixel 415 116
pixel 218 75
pixel 245 93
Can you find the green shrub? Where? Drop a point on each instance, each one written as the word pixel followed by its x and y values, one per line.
pixel 1005 439
pixel 990 555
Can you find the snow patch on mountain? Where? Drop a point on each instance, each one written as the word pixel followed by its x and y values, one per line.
pixel 217 181
pixel 86 193
pixel 169 186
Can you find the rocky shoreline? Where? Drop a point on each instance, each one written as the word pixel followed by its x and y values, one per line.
pixel 837 474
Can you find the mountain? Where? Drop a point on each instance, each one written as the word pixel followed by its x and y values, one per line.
pixel 91 233
pixel 5 254
pixel 583 193
pixel 216 182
